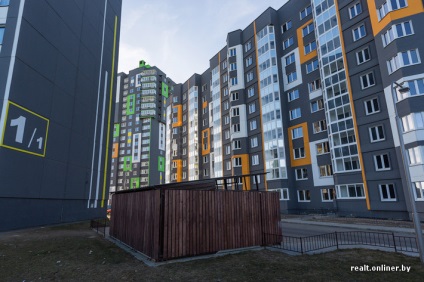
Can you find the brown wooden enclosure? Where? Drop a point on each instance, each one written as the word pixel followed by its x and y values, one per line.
pixel 166 224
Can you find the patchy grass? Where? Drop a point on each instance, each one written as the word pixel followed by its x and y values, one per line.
pixel 74 252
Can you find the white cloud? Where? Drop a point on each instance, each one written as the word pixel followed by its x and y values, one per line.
pixel 180 37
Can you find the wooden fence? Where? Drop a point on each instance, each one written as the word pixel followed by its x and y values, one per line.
pixel 168 224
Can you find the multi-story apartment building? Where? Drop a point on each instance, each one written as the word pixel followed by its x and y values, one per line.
pixel 58 61
pixel 304 95
pixel 138 158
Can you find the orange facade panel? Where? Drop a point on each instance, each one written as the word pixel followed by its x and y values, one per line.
pixel 307 159
pixel 179 166
pixel 414 7
pixel 302 56
pixel 115 150
pixel 179 121
pixel 204 105
pixel 245 169
pixel 206 140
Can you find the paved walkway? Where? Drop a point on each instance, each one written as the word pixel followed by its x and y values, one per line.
pixel 355 223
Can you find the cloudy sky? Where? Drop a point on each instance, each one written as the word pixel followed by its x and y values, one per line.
pixel 180 36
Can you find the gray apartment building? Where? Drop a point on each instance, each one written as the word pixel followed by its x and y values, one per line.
pixel 304 94
pixel 58 64
pixel 139 135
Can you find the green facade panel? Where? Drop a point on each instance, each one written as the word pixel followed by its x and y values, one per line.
pixel 161 164
pixel 165 92
pixel 116 128
pixel 131 104
pixel 135 183
pixel 128 163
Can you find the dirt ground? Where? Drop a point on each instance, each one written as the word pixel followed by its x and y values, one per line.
pixel 76 253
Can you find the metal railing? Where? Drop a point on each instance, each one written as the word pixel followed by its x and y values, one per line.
pixel 100 225
pixel 336 239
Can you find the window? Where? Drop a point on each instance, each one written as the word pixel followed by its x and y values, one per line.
pixel 363 56
pixel 372 106
pixel 234 81
pixel 297 132
pixel 205 172
pixel 235 112
pixel 325 170
pixel 233 66
pixel 403 59
pixel 227 134
pixel 253 125
pixel 294 114
pixel 327 195
pixel 301 174
pixel 236 127
pixel 389 6
pixel 288 42
pixel 382 162
pixel 236 162
pixel 387 192
pixel 350 191
pixel 322 148
pixel 252 108
pixel 184 151
pixel 397 31
pixel 226 105
pixel 250 92
pixel 367 80
pixel 419 191
pixel 205 159
pixel 226 119
pixel 317 105
pixel 249 76
pixel 355 10
pixel 314 85
pixel 234 96
pixel 225 91
pixel 224 78
pixel 293 95
pixel 290 59
pixel 319 126
pixel 299 153
pixel 359 32
pixel 291 77
pixel 205 121
pixel 415 155
pixel 303 196
pixel 249 61
pixel 254 142
pixel 308 29
pixel 232 52
pixel 305 12
pixel 236 144
pixel 255 159
pixel 377 133
pixel 247 46
pixel 227 149
pixel 310 47
pixel 224 64
pixel 228 165
pixel 286 26
pixel 413 121
pixel 284 193
pixel 310 67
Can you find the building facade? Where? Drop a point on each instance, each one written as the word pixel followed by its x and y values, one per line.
pixel 304 95
pixel 138 157
pixel 58 61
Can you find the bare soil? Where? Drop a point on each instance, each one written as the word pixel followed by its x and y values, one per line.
pixel 76 253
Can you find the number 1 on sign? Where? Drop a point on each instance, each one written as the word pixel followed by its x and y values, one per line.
pixel 20 125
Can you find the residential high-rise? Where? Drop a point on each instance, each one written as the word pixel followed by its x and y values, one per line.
pixel 138 158
pixel 304 94
pixel 58 61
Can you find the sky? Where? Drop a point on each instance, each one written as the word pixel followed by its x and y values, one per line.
pixel 181 36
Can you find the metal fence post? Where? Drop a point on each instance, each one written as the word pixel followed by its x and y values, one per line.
pixel 394 241
pixel 301 245
pixel 337 241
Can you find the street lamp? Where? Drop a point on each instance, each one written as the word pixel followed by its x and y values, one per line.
pixel 415 217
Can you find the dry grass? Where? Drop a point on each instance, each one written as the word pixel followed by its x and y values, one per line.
pixel 75 253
